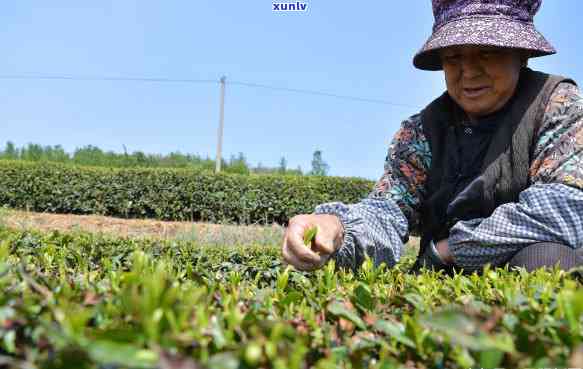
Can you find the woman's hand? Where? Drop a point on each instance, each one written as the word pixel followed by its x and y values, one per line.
pixel 328 239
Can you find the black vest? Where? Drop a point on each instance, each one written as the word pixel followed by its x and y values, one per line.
pixel 504 172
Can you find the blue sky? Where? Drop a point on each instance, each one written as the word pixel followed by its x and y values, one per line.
pixel 361 49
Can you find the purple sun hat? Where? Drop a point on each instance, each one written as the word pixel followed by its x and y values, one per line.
pixel 501 23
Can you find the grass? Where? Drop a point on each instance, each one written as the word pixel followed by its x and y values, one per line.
pixel 233 235
pixel 4 213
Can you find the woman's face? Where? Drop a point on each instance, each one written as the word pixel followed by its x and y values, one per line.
pixel 480 79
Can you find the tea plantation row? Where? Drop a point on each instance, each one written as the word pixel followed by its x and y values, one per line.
pixel 168 194
pixel 85 301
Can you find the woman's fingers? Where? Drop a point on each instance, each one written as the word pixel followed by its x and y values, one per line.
pixel 292 259
pixel 295 252
pixel 323 245
pixel 313 256
pixel 296 246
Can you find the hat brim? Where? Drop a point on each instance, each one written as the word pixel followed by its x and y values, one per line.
pixel 482 31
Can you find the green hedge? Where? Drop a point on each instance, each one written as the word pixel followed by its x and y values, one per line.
pixel 169 194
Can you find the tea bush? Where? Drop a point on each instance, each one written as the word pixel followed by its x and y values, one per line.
pixel 86 301
pixel 170 194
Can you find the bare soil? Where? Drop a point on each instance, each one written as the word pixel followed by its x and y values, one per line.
pixel 126 228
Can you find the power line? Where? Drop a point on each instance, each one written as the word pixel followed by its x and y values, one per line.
pixel 105 78
pixel 321 93
pixel 188 80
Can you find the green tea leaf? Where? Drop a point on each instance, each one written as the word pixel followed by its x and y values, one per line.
pixel 292 297
pixel 309 235
pixel 224 360
pixel 363 297
pixel 491 358
pixel 108 352
pixel 397 331
pixel 341 311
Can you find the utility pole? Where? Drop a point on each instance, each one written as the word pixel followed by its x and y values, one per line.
pixel 221 125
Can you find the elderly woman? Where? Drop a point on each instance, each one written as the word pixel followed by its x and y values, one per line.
pixel 489 172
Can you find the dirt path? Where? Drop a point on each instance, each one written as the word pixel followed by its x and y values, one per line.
pixel 139 228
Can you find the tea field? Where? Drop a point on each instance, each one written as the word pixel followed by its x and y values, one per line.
pixel 80 300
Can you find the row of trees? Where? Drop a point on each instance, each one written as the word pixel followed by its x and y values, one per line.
pixel 94 156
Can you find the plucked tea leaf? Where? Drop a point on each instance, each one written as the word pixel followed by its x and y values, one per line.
pixel 309 235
